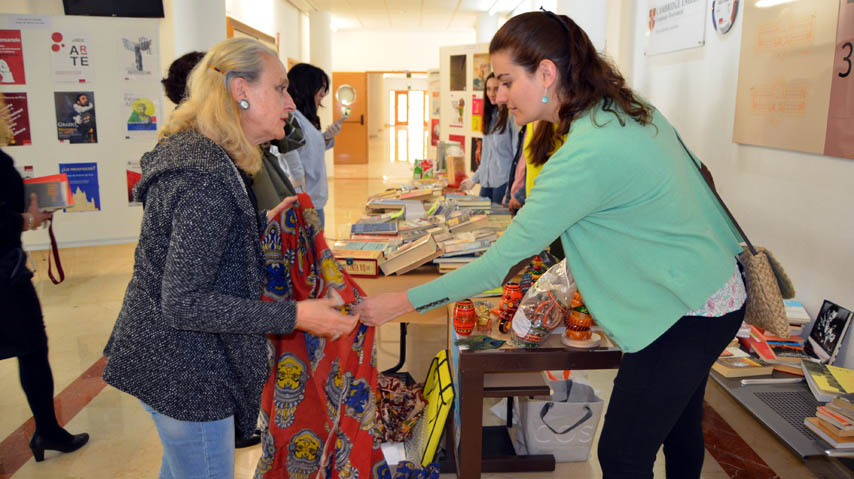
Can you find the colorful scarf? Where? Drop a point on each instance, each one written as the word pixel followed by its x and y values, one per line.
pixel 318 408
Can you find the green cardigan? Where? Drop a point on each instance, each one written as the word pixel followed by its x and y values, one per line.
pixel 643 235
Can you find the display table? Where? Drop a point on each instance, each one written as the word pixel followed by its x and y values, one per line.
pixel 473 382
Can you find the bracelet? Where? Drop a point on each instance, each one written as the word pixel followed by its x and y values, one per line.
pixel 29 224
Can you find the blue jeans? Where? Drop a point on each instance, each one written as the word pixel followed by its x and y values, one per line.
pixel 496 194
pixel 203 450
pixel 322 216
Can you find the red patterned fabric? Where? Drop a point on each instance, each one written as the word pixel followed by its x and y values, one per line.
pixel 319 403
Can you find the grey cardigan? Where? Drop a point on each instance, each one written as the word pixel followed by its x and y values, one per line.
pixel 190 338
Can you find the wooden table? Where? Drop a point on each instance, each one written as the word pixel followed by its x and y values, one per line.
pixel 472 368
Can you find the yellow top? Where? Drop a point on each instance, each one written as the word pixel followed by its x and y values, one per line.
pixel 531 170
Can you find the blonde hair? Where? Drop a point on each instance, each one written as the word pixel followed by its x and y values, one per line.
pixel 209 107
pixel 5 130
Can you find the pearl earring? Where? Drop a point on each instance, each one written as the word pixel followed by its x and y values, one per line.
pixel 244 104
pixel 545 98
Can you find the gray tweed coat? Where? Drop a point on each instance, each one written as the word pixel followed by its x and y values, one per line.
pixel 189 340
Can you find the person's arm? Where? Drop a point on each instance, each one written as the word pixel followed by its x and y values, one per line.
pixel 566 191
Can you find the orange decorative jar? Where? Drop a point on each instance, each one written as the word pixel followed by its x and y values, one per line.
pixel 464 317
pixel 579 323
pixel 511 296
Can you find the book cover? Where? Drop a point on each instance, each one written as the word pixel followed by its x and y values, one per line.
pixel 822 384
pixel 53 191
pixel 828 331
pixel 411 256
pixel 374 229
pixel 735 367
pixel 795 312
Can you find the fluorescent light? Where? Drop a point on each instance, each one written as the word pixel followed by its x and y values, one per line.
pixel 771 3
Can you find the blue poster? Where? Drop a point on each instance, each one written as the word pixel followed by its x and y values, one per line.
pixel 83 180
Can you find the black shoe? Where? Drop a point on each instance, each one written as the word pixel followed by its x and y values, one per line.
pixel 38 444
pixel 247 442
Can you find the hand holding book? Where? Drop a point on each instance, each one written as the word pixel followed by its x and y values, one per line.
pixel 34 217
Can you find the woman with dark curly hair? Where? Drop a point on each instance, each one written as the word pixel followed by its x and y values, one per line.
pixel 175 83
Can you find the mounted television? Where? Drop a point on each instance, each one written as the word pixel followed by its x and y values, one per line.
pixel 110 8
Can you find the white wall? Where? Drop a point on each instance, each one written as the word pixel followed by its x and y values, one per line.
pixel 271 17
pixel 795 203
pixel 392 50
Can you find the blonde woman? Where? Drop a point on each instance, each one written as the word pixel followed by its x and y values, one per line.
pixel 189 342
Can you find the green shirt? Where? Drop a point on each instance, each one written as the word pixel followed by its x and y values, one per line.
pixel 643 235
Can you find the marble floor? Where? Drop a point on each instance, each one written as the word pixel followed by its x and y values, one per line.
pixel 80 313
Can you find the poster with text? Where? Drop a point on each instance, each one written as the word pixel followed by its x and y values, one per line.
pixel 839 139
pixel 70 58
pixel 16 113
pixel 11 58
pixel 476 113
pixel 458 72
pixel 675 25
pixel 481 69
pixel 139 111
pixel 457 109
pixel 138 55
pixel 83 180
pixel 434 131
pixel 134 174
pixel 75 116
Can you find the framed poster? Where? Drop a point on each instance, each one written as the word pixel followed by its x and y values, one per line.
pixel 480 69
pixel 11 58
pixel 457 109
pixel 675 25
pixel 140 111
pixel 75 116
pixel 70 58
pixel 83 180
pixel 138 55
pixel 17 115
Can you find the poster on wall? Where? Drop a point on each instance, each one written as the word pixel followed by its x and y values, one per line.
pixel 434 103
pixel 138 56
pixel 70 58
pixel 786 69
pixel 476 113
pixel 434 131
pixel 16 112
pixel 83 181
pixel 476 145
pixel 458 72
pixel 461 140
pixel 134 174
pixel 139 111
pixel 675 25
pixel 457 109
pixel 480 69
pixel 75 116
pixel 839 140
pixel 11 58
pixel 26 171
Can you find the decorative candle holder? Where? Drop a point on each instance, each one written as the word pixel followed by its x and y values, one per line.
pixel 464 317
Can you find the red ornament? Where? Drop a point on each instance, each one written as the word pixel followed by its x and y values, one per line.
pixel 464 317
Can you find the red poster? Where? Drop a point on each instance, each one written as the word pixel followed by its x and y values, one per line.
pixel 459 139
pixel 839 140
pixel 11 58
pixel 434 131
pixel 18 115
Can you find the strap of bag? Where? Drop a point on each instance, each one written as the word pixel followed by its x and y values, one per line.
pixel 55 254
pixel 723 205
pixel 548 406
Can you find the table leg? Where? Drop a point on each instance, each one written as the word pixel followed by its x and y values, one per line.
pixel 471 418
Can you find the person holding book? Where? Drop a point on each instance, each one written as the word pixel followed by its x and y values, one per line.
pixel 500 137
pixel 190 340
pixel 22 330
pixel 308 86
pixel 645 239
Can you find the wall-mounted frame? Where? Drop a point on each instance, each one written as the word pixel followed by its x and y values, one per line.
pixel 235 28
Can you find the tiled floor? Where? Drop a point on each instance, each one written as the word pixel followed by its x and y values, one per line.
pixel 79 315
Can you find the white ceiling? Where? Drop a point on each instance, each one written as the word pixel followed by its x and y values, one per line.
pixel 409 15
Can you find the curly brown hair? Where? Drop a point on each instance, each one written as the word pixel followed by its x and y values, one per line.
pixel 586 78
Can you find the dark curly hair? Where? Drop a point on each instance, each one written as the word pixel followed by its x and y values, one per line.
pixel 176 83
pixel 586 78
pixel 304 82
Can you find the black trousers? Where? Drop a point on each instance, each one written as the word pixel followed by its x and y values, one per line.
pixel 658 399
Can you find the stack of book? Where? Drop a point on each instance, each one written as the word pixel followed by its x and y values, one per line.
pixel 740 366
pixel 784 354
pixel 834 422
pixel 827 382
pixel 797 315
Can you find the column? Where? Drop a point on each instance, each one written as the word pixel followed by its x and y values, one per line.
pixel 197 25
pixel 320 46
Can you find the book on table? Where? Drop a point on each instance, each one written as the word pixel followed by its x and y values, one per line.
pixel 373 229
pixel 820 381
pixel 411 256
pixel 838 420
pixel 737 367
pixel 795 312
pixel 823 431
pixel 827 333
pixel 846 402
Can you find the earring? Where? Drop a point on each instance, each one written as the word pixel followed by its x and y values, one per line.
pixel 545 98
pixel 244 104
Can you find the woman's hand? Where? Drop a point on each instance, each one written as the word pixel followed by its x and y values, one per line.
pixel 321 318
pixel 466 184
pixel 380 309
pixel 33 217
pixel 514 204
pixel 278 209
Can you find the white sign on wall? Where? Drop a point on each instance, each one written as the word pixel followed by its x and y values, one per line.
pixel 71 58
pixel 676 25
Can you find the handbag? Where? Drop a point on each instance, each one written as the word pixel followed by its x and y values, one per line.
pixel 764 278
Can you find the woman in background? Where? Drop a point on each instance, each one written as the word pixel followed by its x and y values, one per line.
pixel 645 239
pixel 22 331
pixel 500 138
pixel 308 86
pixel 190 340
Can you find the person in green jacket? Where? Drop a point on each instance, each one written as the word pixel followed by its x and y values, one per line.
pixel 645 239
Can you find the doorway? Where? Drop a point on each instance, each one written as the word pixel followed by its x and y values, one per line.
pixel 408 119
pixel 351 145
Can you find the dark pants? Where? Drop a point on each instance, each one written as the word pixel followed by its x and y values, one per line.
pixel 658 399
pixel 496 194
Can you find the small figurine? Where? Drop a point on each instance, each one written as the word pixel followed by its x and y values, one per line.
pixel 464 317
pixel 505 321
pixel 537 268
pixel 484 318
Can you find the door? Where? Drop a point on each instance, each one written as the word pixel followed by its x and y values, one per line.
pixel 351 145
